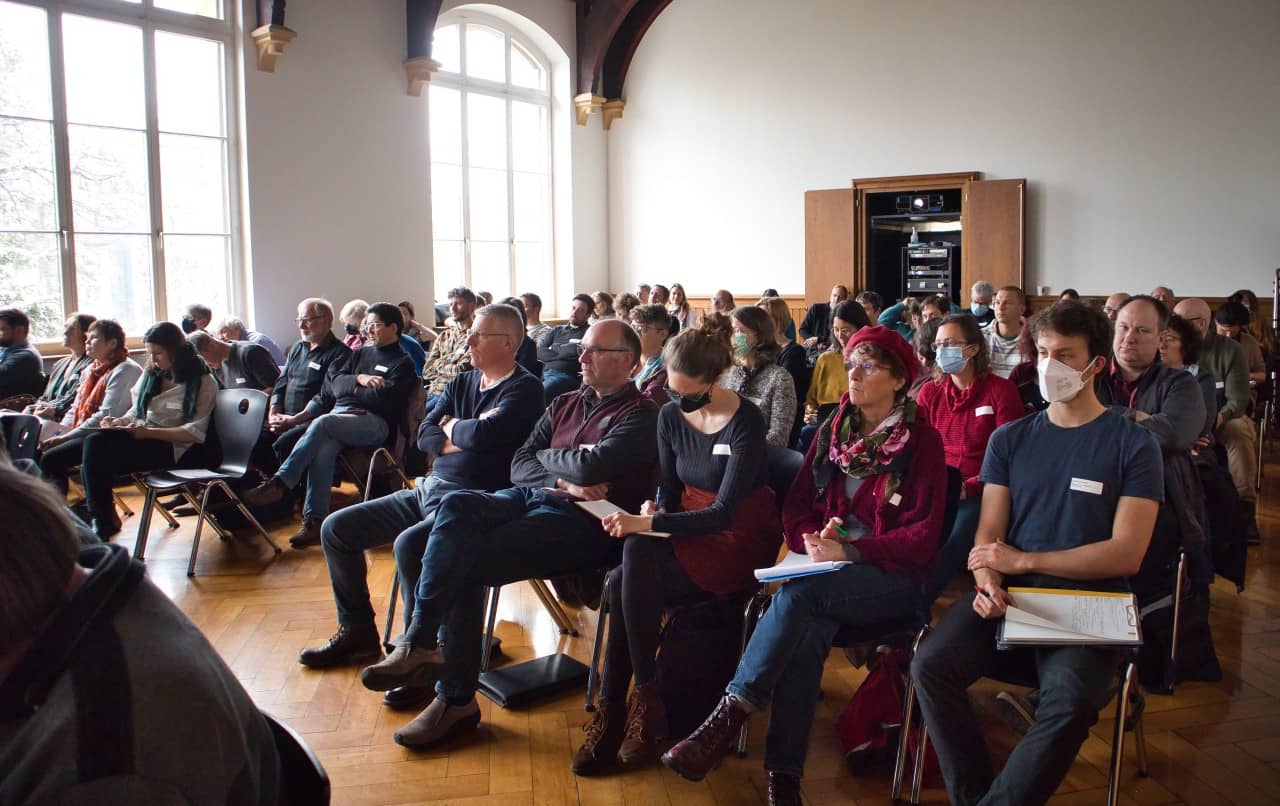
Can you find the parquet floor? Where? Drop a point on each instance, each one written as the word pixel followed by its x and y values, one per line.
pixel 1208 744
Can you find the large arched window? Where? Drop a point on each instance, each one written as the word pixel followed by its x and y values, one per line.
pixel 491 206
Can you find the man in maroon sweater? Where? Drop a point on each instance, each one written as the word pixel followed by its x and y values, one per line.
pixel 594 443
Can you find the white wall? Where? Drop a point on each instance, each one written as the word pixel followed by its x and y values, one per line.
pixel 1147 130
pixel 338 165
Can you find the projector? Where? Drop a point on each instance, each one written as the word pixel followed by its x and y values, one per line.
pixel 919 203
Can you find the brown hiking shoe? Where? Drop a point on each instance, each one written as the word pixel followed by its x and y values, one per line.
pixel 348 645
pixel 704 749
pixel 784 790
pixel 646 725
pixel 599 750
pixel 268 492
pixel 308 534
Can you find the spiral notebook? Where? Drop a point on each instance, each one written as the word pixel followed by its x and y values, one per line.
pixel 602 509
pixel 1062 617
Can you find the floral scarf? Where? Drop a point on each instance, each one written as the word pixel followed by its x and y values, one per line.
pixel 842 447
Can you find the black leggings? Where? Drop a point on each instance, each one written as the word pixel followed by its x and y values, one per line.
pixel 56 463
pixel 649 580
pixel 110 454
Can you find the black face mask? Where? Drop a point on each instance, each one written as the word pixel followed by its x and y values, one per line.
pixel 188 325
pixel 352 330
pixel 689 403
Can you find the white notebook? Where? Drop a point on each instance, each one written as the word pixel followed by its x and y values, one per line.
pixel 797 565
pixel 1055 616
pixel 604 508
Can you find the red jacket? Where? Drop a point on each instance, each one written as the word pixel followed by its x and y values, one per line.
pixel 905 531
pixel 965 419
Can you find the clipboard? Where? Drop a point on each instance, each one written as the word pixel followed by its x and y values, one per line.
pixel 1066 617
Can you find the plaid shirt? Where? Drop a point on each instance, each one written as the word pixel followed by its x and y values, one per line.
pixel 447 358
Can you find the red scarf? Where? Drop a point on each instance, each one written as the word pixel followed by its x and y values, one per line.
pixel 93 386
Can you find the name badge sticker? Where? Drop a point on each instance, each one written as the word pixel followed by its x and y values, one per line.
pixel 1086 486
pixel 575 341
pixel 895 499
pixel 1220 385
pixel 239 380
pixel 587 447
pixel 490 413
pixel 981 410
pixel 721 449
pixel 314 365
pixel 379 368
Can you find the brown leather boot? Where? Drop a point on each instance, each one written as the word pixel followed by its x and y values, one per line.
pixel 646 725
pixel 599 750
pixel 704 749
pixel 784 790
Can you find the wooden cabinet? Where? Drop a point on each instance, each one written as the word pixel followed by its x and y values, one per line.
pixel 828 242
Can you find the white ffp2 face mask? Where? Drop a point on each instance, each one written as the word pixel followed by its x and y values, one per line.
pixel 1059 383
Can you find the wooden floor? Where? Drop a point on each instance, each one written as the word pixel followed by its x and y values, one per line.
pixel 1208 744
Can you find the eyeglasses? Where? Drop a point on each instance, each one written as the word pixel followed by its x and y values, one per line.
pixel 1169 338
pixel 593 351
pixel 867 367
pixel 938 345
pixel 302 320
pixel 478 333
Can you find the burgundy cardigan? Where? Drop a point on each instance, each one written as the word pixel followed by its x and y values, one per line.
pixel 905 531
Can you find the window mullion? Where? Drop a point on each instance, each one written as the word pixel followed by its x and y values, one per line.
pixel 511 198
pixel 466 190
pixel 149 81
pixel 62 166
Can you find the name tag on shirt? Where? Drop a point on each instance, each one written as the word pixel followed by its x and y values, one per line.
pixel 1220 385
pixel 489 413
pixel 379 368
pixel 313 365
pixel 1086 486
pixel 721 449
pixel 239 380
pixel 575 341
pixel 584 446
pixel 895 499
pixel 981 410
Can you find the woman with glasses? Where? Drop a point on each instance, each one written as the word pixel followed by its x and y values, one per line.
pixel 829 378
pixel 965 402
pixel 872 492
pixel 713 523
pixel 652 324
pixel 1180 349
pixel 756 374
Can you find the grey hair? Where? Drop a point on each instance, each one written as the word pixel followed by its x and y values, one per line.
pixel 983 289
pixel 511 321
pixel 356 307
pixel 200 340
pixel 324 306
pixel 233 322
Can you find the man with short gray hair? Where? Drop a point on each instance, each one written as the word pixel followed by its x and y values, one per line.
pixel 236 364
pixel 980 296
pixel 233 329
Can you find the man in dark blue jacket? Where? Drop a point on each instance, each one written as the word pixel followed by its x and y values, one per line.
pixel 473 430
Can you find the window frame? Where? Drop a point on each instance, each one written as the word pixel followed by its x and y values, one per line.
pixel 507 92
pixel 150 20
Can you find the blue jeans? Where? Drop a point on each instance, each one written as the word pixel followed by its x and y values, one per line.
pixel 405 517
pixel 316 454
pixel 556 383
pixel 789 647
pixel 489 539
pixel 953 557
pixel 1074 683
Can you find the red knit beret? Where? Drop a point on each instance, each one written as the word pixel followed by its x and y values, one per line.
pixel 891 342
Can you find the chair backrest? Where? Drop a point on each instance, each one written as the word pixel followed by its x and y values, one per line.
pixel 784 466
pixel 238 415
pixel 21 435
pixel 302 777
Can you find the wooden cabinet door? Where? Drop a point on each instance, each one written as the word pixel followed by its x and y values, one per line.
pixel 993 219
pixel 829 239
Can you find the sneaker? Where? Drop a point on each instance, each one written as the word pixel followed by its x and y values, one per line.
pixel 784 790
pixel 599 751
pixel 705 748
pixel 308 533
pixel 348 645
pixel 437 722
pixel 405 666
pixel 646 725
pixel 266 493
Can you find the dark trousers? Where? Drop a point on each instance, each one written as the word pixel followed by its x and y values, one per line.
pixel 649 580
pixel 56 463
pixel 490 539
pixel 113 453
pixel 953 556
pixel 273 449
pixel 1074 682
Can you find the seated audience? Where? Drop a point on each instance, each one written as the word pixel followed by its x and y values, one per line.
pixel 980 298
pixel 352 317
pixel 420 333
pixel 792 357
pixel 1231 321
pixel 64 381
pixel 527 352
pixel 1003 330
pixel 1259 327
pixel 602 307
pixel 104 391
pixel 714 501
pixel 652 324
pixel 1233 428
pixel 237 364
pixel 872 303
pixel 1165 295
pixel 233 329
pixel 624 304
pixel 1112 305
pixel 484 298
pixel 934 307
pixel 481 418
pixel 642 293
pixel 21 365
pixel 872 490
pixel 756 374
pixel 533 315
pixel 815 329
pixel 660 296
pixel 366 399
pixel 723 302
pixel 197 317
pixel 448 354
pixel 558 351
pixel 313 359
pixel 1180 349
pixel 531 530
pixel 110 693
pixel 1069 294
pixel 965 403
pixel 830 380
pixel 926 355
pixel 172 403
pixel 1038 530
pixel 679 308
pixel 903 316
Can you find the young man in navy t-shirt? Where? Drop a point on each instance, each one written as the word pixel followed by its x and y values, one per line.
pixel 1070 501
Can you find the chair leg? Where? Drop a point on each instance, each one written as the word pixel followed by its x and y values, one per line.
pixel 490 624
pixel 594 674
pixel 164 513
pixel 553 608
pixel 750 615
pixel 1140 745
pixel 201 516
pixel 144 523
pixel 222 533
pixel 244 510
pixel 917 779
pixel 392 601
pixel 1177 618
pixel 1117 739
pixel 900 761
pixel 125 510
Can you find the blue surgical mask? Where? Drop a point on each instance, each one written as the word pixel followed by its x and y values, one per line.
pixel 978 309
pixel 740 346
pixel 951 359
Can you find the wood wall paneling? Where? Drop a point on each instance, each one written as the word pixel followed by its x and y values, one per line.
pixel 829 241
